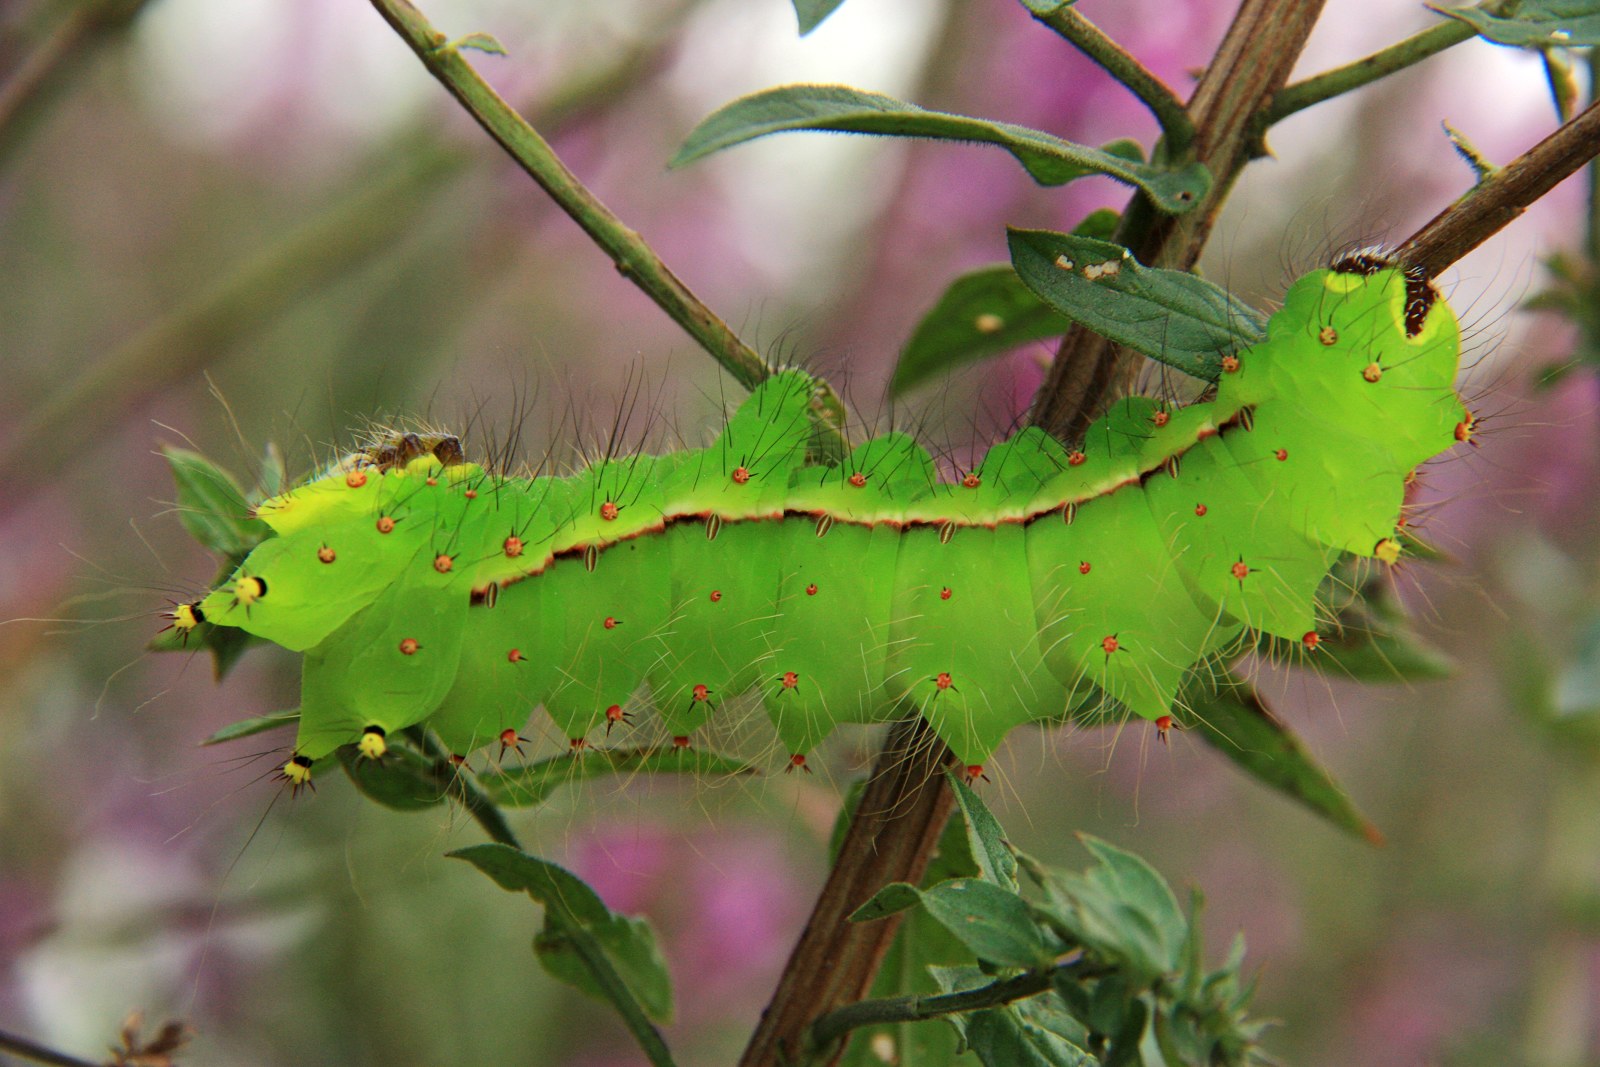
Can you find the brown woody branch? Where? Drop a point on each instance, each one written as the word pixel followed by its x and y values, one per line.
pixel 1504 194
pixel 907 803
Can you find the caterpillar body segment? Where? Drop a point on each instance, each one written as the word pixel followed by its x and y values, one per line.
pixel 1047 576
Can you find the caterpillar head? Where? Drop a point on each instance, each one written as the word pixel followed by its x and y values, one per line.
pixel 1370 350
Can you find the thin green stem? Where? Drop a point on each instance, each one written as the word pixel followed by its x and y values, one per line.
pixel 463 789
pixel 1381 64
pixel 1176 126
pixel 634 259
pixel 919 1007
pixel 32 1050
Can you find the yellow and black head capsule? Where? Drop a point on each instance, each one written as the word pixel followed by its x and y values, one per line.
pixel 297 772
pixel 184 618
pixel 374 742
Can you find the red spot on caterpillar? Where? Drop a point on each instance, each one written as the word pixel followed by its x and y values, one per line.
pixel 1161 418
pixel 1240 570
pixel 385 524
pixel 858 479
pixel 680 741
pixel 1281 454
pixel 740 475
pixel 1163 724
pixel 510 739
pixel 608 511
pixel 1083 567
pixel 1075 458
pixel 457 760
pixel 811 590
pixel 946 593
pixel 972 481
pixel 943 681
pixel 356 479
pixel 973 772
pixel 1328 335
pixel 1372 372
pixel 471 494
pixel 433 481
pixel 701 694
pixel 1200 510
pixel 611 622
pixel 409 646
pixel 514 656
pixel 797 762
pixel 1109 644
pixel 513 546
pixel 716 596
pixel 1230 364
pixel 576 744
pixel 614 715
pixel 790 679
pixel 326 554
pixel 443 563
pixel 1311 640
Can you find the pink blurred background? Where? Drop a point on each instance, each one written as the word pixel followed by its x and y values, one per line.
pixel 137 871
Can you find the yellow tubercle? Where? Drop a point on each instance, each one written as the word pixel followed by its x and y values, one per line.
pixel 374 742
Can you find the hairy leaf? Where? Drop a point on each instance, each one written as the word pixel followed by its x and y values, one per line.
pixel 842 109
pixel 1533 23
pixel 1237 723
pixel 1171 316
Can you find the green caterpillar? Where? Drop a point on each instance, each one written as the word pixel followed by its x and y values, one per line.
pixel 423 588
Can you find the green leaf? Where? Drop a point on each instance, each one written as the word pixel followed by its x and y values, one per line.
pixel 250 727
pixel 985 837
pixel 1236 722
pixel 812 12
pixel 478 42
pixel 841 109
pixel 982 314
pixel 1012 1035
pixel 402 779
pixel 995 923
pixel 628 944
pixel 527 786
pixel 225 643
pixel 211 505
pixel 631 944
pixel 1533 23
pixel 1171 316
pixel 892 898
pixel 1101 223
pixel 1121 910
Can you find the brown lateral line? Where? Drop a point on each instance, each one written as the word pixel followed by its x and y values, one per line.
pixel 480 596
